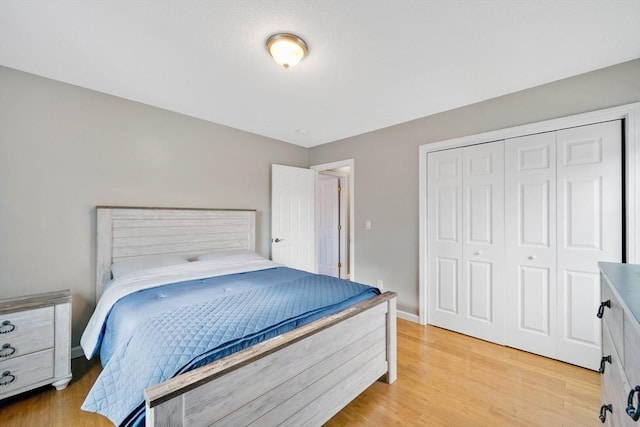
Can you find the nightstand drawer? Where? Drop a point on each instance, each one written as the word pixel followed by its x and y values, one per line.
pixel 25 371
pixel 35 334
pixel 26 332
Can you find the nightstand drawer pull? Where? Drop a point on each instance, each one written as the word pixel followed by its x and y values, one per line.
pixel 607 304
pixel 7 350
pixel 631 410
pixel 603 412
pixel 7 327
pixel 604 359
pixel 7 378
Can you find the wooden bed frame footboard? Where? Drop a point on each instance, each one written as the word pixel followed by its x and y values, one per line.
pixel 303 377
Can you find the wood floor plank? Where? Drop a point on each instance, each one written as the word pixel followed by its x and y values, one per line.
pixel 444 379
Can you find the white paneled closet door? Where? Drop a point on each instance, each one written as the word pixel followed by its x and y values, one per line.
pixel 445 238
pixel 530 243
pixel 563 204
pixel 466 238
pixel 589 186
pixel 483 244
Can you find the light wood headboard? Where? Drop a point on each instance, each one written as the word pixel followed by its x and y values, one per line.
pixel 125 232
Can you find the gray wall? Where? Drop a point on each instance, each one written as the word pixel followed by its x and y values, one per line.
pixel 64 150
pixel 386 165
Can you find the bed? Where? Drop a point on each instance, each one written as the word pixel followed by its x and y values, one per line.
pixel 298 372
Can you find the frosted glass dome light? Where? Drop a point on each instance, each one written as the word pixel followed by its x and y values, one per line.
pixel 287 49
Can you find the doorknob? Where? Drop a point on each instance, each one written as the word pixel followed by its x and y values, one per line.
pixel 278 240
pixel 478 253
pixel 532 257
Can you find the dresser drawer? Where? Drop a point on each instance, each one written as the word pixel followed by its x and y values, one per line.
pixel 614 385
pixel 612 317
pixel 632 349
pixel 24 371
pixel 26 332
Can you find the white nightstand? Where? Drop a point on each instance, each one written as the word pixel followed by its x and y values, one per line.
pixel 35 342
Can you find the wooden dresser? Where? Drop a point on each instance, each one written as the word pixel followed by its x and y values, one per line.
pixel 620 364
pixel 35 342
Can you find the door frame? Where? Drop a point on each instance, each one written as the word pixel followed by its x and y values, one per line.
pixel 630 113
pixel 351 217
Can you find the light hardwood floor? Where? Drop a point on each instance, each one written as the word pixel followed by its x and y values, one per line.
pixel 444 379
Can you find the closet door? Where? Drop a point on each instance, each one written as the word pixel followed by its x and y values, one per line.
pixel 563 193
pixel 483 246
pixel 466 240
pixel 589 186
pixel 530 243
pixel 513 244
pixel 444 242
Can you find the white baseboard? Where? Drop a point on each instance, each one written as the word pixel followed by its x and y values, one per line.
pixel 76 352
pixel 407 316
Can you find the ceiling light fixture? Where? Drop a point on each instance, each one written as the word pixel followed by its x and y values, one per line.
pixel 287 49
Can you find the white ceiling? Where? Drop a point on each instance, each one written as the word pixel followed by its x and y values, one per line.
pixel 371 64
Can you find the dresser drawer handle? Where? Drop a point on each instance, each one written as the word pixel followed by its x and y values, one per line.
pixel 604 359
pixel 7 378
pixel 603 412
pixel 631 410
pixel 607 304
pixel 7 350
pixel 7 327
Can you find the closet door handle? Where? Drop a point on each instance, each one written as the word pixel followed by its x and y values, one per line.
pixel 532 257
pixel 604 359
pixel 603 412
pixel 631 410
pixel 607 304
pixel 478 253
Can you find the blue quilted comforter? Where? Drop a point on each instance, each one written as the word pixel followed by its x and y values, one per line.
pixel 175 328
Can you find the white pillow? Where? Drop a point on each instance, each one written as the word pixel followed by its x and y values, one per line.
pixel 244 254
pixel 134 265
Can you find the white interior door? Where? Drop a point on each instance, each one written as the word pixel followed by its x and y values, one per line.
pixel 293 234
pixel 530 243
pixel 328 209
pixel 590 221
pixel 444 238
pixel 483 246
pixel 466 240
pixel 563 197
